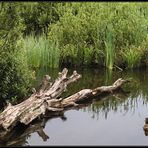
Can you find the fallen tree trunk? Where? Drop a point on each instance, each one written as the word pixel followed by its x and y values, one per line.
pixel 19 135
pixel 46 99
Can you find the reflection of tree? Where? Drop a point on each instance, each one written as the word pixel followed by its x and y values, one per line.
pixel 122 102
pixel 14 139
pixel 19 136
pixel 103 104
pixel 100 106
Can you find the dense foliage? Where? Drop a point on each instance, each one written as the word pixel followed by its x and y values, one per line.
pixel 53 34
pixel 14 73
pixel 84 34
pixel 102 33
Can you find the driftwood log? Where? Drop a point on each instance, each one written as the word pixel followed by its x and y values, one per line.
pixel 19 135
pixel 47 99
pixel 145 127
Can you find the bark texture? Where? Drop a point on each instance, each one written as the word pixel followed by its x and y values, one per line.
pixel 47 99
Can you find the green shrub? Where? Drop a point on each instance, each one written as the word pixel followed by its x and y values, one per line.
pixel 37 16
pixel 14 73
pixel 82 33
pixel 84 28
pixel 15 77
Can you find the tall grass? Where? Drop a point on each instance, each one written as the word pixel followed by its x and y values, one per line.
pixel 92 33
pixel 40 52
pixel 132 57
pixel 54 55
pixel 109 48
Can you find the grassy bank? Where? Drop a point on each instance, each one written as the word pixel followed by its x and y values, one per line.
pixel 103 34
pixel 69 34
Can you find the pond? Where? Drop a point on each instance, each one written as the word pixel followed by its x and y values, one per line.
pixel 116 119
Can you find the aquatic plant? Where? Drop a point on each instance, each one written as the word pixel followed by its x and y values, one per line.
pixel 109 48
pixel 40 52
pixel 132 56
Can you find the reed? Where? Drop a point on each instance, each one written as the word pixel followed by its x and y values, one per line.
pixel 132 57
pixel 109 48
pixel 40 52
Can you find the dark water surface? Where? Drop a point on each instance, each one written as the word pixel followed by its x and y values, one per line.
pixel 116 119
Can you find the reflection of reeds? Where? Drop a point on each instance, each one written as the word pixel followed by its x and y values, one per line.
pixel 120 103
pixel 108 76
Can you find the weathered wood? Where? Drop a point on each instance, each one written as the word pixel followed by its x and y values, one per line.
pixel 145 127
pixel 46 99
pixel 9 138
pixel 20 133
pixel 36 105
pixel 85 94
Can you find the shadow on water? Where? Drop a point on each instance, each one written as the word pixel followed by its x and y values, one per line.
pixel 123 105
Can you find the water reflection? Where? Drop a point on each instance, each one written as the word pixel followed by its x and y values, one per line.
pixel 123 111
pixel 137 93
